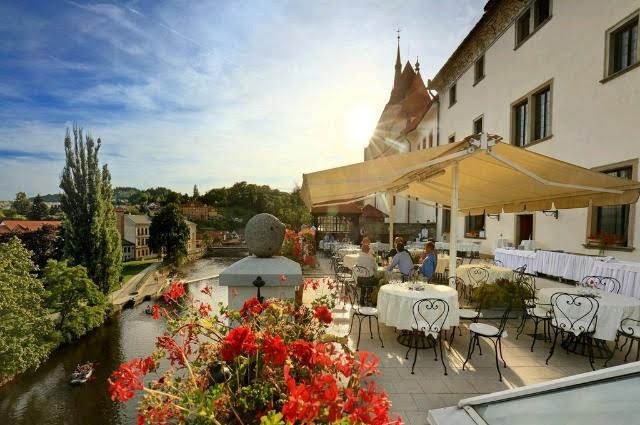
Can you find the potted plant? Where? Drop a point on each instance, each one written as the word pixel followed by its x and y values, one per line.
pixel 278 366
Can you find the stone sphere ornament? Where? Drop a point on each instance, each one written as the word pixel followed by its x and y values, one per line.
pixel 264 234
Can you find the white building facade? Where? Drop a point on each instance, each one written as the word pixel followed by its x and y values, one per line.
pixel 558 77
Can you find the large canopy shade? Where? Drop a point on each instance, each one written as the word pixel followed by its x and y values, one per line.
pixel 499 177
pixel 477 175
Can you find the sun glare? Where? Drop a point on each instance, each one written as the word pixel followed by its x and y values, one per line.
pixel 359 123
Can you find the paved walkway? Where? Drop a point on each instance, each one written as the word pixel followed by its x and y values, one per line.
pixel 414 395
pixel 122 295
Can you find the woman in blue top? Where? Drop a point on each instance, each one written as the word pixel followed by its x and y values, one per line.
pixel 428 267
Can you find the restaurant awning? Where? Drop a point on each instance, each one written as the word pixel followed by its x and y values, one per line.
pixel 480 174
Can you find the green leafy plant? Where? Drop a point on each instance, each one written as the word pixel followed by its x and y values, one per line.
pixel 501 293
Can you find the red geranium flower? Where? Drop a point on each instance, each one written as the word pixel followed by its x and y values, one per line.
pixel 126 380
pixel 155 311
pixel 204 309
pixel 302 351
pixel 323 314
pixel 206 290
pixel 254 306
pixel 275 352
pixel 238 341
pixel 175 292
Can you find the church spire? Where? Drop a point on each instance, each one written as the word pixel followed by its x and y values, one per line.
pixel 417 65
pixel 398 62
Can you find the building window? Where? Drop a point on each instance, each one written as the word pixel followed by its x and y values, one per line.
pixel 431 139
pixel 446 220
pixel 523 28
pixel 541 12
pixel 542 114
pixel 477 125
pixel 452 95
pixel 531 116
pixel 623 45
pixel 474 226
pixel 534 17
pixel 611 223
pixel 452 138
pixel 478 70
pixel 520 123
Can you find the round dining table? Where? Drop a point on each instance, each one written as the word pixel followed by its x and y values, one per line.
pixel 612 309
pixel 396 300
pixel 495 272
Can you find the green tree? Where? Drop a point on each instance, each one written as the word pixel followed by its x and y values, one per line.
pixel 39 209
pixel 71 293
pixel 91 235
pixel 169 233
pixel 196 193
pixel 26 332
pixel 21 204
pixel 46 243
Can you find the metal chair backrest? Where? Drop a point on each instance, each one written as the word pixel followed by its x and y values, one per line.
pixel 458 283
pixel 430 314
pixel 498 263
pixel 518 273
pixel 478 276
pixel 574 313
pixel 605 283
pixel 360 271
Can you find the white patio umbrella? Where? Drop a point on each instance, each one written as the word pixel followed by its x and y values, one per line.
pixel 480 174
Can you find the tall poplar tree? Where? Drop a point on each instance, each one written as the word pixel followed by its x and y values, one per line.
pixel 91 235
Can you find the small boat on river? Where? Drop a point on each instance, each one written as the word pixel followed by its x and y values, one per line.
pixel 82 373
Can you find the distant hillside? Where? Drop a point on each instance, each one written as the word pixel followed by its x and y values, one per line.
pixel 52 197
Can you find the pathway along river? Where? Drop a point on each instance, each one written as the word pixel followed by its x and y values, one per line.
pixel 45 397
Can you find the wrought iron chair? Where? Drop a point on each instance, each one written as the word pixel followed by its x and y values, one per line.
pixel 576 315
pixel 604 283
pixel 492 333
pixel 362 308
pixel 429 317
pixel 497 263
pixel 477 276
pixel 533 310
pixel 630 329
pixel 518 273
pixel 467 311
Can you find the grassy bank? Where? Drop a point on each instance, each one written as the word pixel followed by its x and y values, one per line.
pixel 132 268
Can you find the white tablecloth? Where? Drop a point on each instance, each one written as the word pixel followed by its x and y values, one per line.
pixel 350 260
pixel 495 272
pixel 568 266
pixel 613 308
pixel 513 258
pixel 380 246
pixel 395 304
pixel 349 250
pixel 463 246
pixel 503 243
pixel 628 273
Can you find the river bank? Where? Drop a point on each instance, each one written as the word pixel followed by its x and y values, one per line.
pixel 44 396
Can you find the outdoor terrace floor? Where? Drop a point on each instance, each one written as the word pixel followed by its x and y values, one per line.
pixel 414 395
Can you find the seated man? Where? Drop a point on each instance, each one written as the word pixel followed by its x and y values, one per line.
pixel 403 261
pixel 392 253
pixel 430 262
pixel 366 260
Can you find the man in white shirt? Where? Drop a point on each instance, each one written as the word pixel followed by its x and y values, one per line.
pixel 366 260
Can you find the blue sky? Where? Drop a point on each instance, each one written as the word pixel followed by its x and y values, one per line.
pixel 206 92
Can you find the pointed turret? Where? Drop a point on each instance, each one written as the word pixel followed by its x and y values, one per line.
pixel 398 63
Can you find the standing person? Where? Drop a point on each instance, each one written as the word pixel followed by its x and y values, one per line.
pixel 430 262
pixel 403 261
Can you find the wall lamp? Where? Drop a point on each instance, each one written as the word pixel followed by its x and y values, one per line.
pixel 494 216
pixel 551 213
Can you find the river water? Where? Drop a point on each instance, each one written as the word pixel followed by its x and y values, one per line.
pixel 45 396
